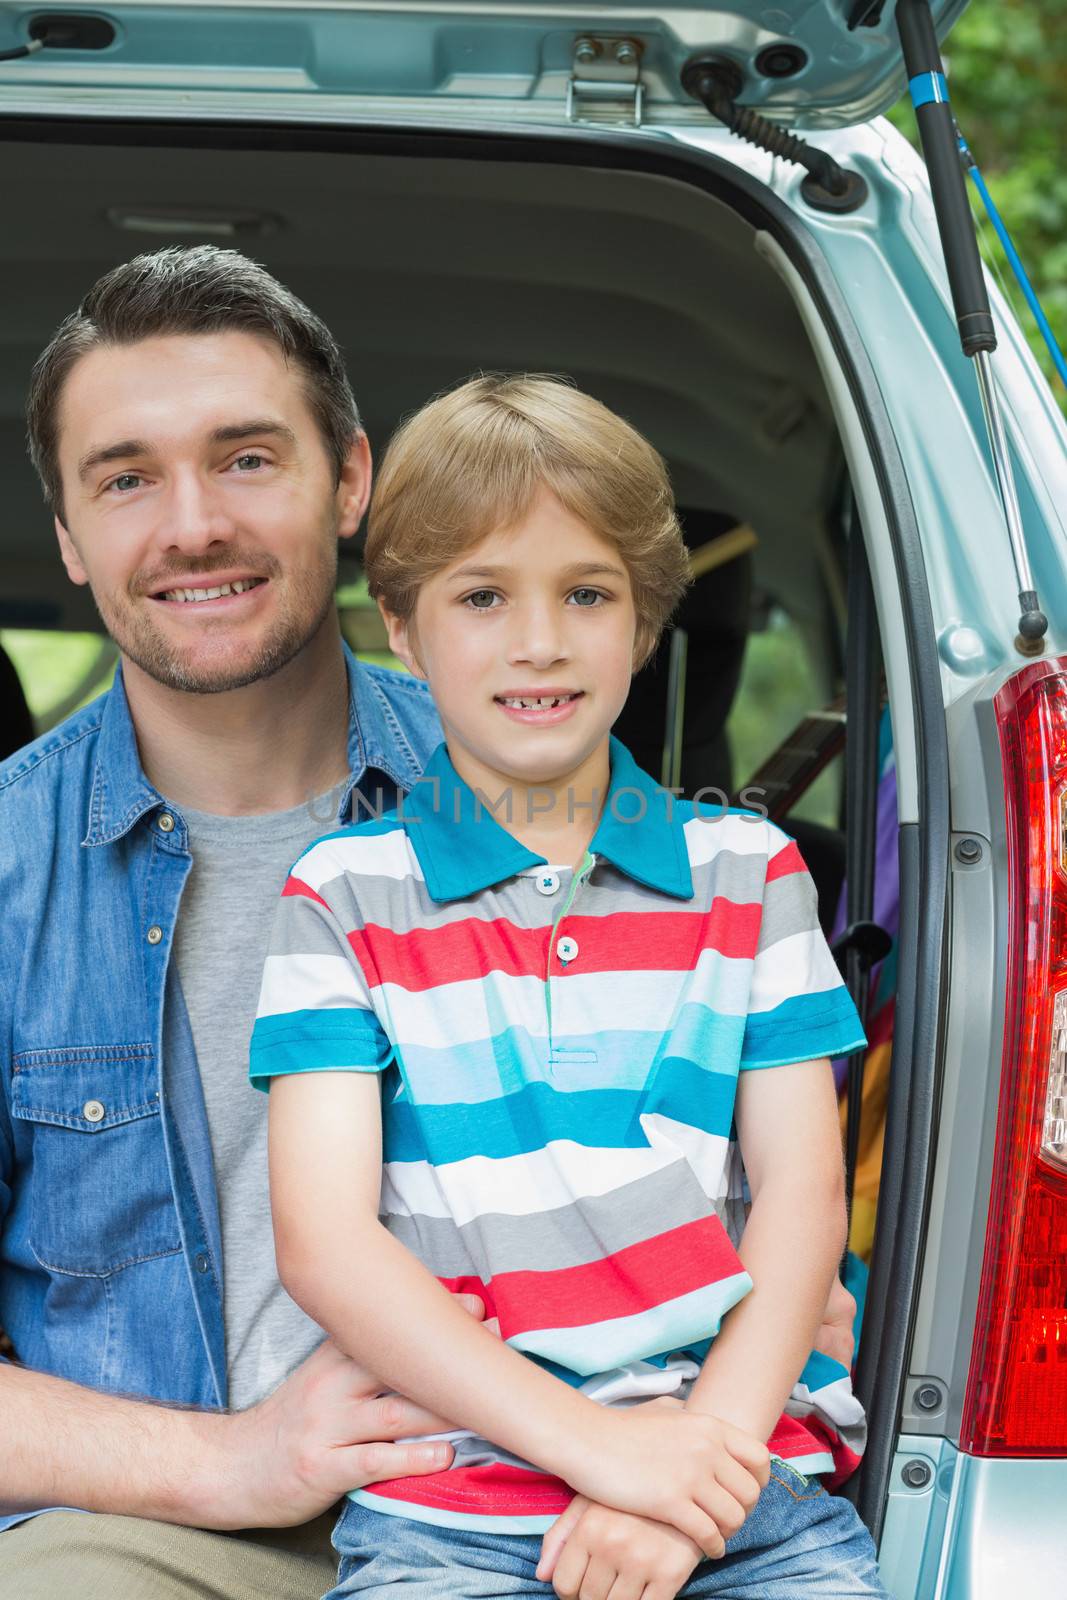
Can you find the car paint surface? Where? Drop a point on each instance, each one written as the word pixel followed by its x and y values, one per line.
pixel 500 54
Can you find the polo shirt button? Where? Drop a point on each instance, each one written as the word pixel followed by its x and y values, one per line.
pixel 567 948
pixel 547 882
pixel 155 933
pixel 93 1111
pixel 166 823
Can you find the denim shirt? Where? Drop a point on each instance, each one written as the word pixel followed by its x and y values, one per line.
pixel 110 1257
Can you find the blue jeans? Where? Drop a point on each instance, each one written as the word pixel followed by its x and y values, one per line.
pixel 800 1543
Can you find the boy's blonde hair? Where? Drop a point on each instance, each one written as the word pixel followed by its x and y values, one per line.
pixel 472 461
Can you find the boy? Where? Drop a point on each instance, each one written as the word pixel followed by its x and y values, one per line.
pixel 540 990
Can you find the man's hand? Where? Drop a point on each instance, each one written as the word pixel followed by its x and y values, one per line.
pixel 836 1337
pixel 325 1430
pixel 592 1551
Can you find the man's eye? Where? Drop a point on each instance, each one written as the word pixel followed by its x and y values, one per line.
pixel 482 599
pixel 586 597
pixel 248 462
pixel 125 482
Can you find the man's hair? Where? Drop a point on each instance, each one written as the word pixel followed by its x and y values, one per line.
pixel 473 460
pixel 189 290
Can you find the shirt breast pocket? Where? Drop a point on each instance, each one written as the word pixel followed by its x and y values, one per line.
pixel 93 1157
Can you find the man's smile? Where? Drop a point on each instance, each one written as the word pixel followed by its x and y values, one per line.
pixel 238 586
pixel 208 591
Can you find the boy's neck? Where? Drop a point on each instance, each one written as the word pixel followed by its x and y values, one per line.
pixel 555 817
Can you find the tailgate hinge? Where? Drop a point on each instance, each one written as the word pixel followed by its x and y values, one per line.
pixel 605 82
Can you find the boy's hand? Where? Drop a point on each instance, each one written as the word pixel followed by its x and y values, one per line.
pixel 836 1336
pixel 592 1551
pixel 696 1473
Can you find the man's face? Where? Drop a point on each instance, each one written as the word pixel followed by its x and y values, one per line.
pixel 193 463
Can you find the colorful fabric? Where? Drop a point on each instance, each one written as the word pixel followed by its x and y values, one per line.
pixel 881 1006
pixel 560 1051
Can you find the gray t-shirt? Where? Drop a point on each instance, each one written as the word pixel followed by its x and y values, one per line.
pixel 239 867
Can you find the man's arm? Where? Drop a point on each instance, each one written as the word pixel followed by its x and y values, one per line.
pixel 787 1127
pixel 282 1462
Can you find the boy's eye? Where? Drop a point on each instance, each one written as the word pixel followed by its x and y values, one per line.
pixel 482 599
pixel 586 597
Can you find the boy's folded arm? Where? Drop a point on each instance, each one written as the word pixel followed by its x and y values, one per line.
pixel 366 1289
pixel 385 1309
pixel 788 1131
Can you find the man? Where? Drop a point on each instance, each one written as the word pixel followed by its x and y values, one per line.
pixel 198 442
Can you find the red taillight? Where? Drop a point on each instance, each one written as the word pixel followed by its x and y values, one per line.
pixel 1017 1388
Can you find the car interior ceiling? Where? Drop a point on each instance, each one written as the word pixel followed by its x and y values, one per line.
pixel 643 290
pixel 646 292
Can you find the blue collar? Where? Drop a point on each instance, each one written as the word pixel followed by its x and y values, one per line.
pixel 121 794
pixel 462 848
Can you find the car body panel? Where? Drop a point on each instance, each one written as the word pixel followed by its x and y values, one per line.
pixel 886 258
pixel 909 1556
pixel 976 1530
pixel 506 55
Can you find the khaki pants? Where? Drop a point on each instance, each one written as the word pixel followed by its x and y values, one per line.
pixel 69 1555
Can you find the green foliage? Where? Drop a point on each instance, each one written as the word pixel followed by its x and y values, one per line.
pixel 51 666
pixel 1007 69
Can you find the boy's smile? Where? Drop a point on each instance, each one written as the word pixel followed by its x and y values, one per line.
pixel 539 706
pixel 527 641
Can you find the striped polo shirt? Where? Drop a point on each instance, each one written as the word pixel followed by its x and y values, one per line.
pixel 559 1050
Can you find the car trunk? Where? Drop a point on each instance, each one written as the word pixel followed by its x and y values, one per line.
pixel 669 284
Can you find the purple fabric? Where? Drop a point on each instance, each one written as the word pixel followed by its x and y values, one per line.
pixel 886 907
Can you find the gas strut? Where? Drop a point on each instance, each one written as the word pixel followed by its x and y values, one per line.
pixel 959 244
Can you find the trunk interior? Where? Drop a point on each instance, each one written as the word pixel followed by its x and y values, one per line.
pixel 643 289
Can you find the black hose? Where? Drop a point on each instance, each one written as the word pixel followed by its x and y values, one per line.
pixel 716 83
pixel 747 124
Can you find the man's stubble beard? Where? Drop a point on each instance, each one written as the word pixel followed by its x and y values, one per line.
pixel 310 600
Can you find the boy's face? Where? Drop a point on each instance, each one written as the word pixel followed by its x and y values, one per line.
pixel 190 463
pixel 540 612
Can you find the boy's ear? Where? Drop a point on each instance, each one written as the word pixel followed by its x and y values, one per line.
pixel 401 642
pixel 71 559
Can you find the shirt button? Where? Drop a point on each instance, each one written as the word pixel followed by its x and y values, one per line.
pixel 155 933
pixel 567 948
pixel 201 1263
pixel 547 882
pixel 166 823
pixel 93 1111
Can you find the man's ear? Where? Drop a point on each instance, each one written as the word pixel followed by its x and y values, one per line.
pixel 353 489
pixel 71 559
pixel 401 639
